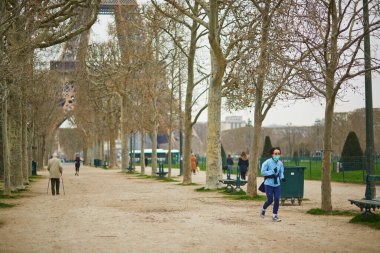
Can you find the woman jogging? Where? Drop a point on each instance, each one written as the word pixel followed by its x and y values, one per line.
pixel 273 172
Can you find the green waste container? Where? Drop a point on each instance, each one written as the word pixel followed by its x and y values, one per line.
pixel 293 187
pixel 97 162
pixel 34 168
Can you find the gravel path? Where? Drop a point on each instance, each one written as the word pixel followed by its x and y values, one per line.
pixel 108 211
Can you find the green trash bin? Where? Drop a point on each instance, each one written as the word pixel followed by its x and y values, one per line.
pixel 293 187
pixel 97 162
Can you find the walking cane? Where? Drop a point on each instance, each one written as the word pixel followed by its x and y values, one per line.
pixel 47 190
pixel 63 187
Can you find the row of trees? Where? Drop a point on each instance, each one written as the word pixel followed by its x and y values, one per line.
pixel 265 51
pixel 29 96
pixel 260 52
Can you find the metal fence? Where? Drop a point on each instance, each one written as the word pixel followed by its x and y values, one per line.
pixel 352 169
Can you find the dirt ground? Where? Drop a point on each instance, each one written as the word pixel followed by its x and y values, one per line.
pixel 107 211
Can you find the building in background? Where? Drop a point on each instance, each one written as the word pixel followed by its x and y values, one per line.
pixel 232 122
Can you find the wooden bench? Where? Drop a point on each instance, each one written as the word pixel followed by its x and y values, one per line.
pixel 368 204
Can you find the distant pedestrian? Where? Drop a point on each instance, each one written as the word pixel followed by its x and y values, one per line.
pixel 146 161
pixel 77 165
pixel 230 163
pixel 273 172
pixel 243 165
pixel 55 172
pixel 193 164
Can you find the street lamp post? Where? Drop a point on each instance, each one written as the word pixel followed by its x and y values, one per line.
pixel 370 192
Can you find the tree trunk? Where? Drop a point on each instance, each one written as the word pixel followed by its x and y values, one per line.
pixel 15 139
pixel 326 163
pixel 101 149
pixel 88 156
pixel 7 182
pixel 154 149
pixel 170 152
pixel 188 128
pixel 214 162
pixel 25 163
pixel 40 151
pixel 124 135
pixel 258 117
pixel 187 148
pixel 112 158
pixel 142 154
pixel 84 148
pixel 218 66
pixel 254 155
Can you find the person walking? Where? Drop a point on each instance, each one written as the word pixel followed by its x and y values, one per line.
pixel 55 172
pixel 230 163
pixel 77 165
pixel 273 172
pixel 243 164
pixel 193 164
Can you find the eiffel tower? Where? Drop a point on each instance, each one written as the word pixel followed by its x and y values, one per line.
pixel 73 54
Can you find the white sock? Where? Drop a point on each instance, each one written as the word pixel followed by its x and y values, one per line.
pixel 274 215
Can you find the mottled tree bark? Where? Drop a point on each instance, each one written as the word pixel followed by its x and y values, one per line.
pixel 142 154
pixel 124 135
pixel 7 182
pixel 15 138
pixel 218 66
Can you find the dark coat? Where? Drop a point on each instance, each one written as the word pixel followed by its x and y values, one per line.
pixel 243 164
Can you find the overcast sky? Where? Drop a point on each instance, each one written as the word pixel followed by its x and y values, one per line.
pixel 301 113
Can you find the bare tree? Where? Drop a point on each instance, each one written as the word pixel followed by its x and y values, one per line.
pixel 333 32
pixel 217 13
pixel 26 25
pixel 265 72
pixel 180 39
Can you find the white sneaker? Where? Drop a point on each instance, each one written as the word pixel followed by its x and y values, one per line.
pixel 276 219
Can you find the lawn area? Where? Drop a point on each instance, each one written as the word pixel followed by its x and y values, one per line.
pixel 313 171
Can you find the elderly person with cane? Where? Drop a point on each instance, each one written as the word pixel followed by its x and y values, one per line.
pixel 55 171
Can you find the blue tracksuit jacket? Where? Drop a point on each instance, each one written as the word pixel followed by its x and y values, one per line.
pixel 267 169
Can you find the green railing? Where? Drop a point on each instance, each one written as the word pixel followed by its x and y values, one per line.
pixel 313 167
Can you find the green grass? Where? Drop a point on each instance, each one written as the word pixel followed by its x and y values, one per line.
pixel 241 195
pixel 318 211
pixel 372 220
pixel 167 179
pixel 313 171
pixel 131 172
pixel 238 195
pixel 13 196
pixel 164 179
pixel 35 178
pixel 203 189
pixel 192 184
pixel 5 205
